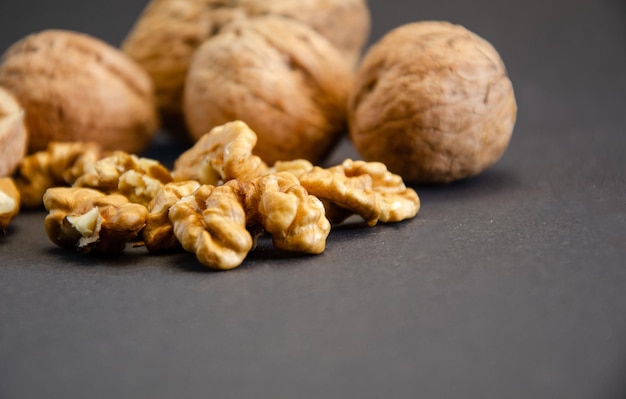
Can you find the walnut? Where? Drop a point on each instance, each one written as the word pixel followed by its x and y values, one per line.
pixel 59 165
pixel 169 32
pixel 365 188
pixel 13 134
pixel 283 208
pixel 75 87
pixel 296 167
pixel 223 154
pixel 215 222
pixel 9 201
pixel 89 220
pixel 284 80
pixel 158 235
pixel 135 177
pixel 211 223
pixel 433 102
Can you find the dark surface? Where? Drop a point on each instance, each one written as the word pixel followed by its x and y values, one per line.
pixel 508 285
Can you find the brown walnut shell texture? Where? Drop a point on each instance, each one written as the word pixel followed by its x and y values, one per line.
pixel 288 83
pixel 75 87
pixel 13 134
pixel 168 32
pixel 432 101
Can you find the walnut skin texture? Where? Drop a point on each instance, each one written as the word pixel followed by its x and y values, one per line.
pixel 13 134
pixel 168 33
pixel 91 221
pixel 280 77
pixel 223 154
pixel 433 102
pixel 78 88
pixel 59 165
pixel 9 201
pixel 211 223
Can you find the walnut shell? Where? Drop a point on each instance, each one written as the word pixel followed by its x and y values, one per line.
pixel 75 87
pixel 168 32
pixel 284 80
pixel 432 101
pixel 13 134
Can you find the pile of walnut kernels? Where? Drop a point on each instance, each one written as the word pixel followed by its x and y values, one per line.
pixel 265 89
pixel 215 202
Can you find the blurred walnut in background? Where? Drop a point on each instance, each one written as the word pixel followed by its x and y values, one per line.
pixel 283 79
pixel 168 33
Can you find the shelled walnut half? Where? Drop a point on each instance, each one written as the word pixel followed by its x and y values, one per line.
pixel 91 221
pixel 9 201
pixel 13 133
pixel 137 178
pixel 60 164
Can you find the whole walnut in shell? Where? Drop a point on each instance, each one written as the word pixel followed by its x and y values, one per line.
pixel 13 135
pixel 432 101
pixel 75 87
pixel 288 83
pixel 168 33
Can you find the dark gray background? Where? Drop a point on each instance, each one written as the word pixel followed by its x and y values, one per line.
pixel 508 285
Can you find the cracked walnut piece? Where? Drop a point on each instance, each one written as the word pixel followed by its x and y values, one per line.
pixel 222 154
pixel 90 220
pixel 137 178
pixel 365 188
pixel 211 223
pixel 158 235
pixel 283 207
pixel 9 201
pixel 13 134
pixel 59 165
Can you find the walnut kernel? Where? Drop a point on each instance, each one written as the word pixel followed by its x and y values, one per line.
pixel 13 134
pixel 9 201
pixel 89 220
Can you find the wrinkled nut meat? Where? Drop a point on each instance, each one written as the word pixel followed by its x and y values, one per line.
pixel 211 223
pixel 223 154
pixel 9 201
pixel 283 208
pixel 75 87
pixel 158 235
pixel 296 167
pixel 135 177
pixel 59 165
pixel 168 33
pixel 13 134
pixel 433 102
pixel 215 222
pixel 288 83
pixel 365 188
pixel 226 153
pixel 89 220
